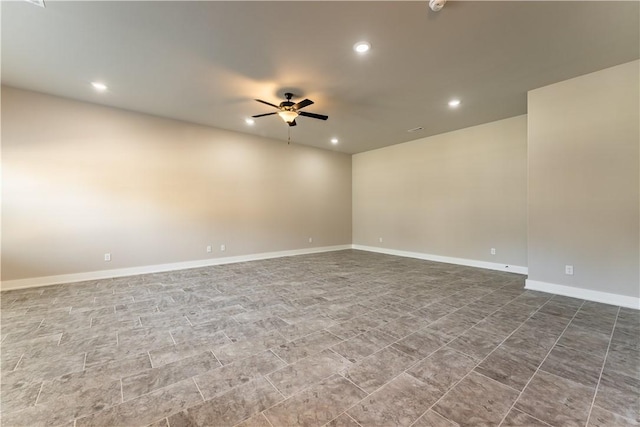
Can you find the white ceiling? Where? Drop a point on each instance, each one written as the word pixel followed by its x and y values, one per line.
pixel 205 62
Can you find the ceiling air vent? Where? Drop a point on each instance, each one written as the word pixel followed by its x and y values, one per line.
pixel 36 2
pixel 419 128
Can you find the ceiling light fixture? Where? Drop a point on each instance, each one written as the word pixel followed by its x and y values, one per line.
pixel 100 87
pixel 437 5
pixel 288 115
pixel 362 47
pixel 334 141
pixel 454 103
pixel 249 121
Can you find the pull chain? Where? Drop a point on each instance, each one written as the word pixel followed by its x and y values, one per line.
pixel 288 135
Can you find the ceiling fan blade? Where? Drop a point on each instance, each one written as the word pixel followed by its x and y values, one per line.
pixel 302 104
pixel 315 116
pixel 268 103
pixel 293 123
pixel 262 115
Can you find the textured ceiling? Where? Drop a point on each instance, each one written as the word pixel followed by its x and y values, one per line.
pixel 205 62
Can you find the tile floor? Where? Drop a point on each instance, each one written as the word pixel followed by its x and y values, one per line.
pixel 345 338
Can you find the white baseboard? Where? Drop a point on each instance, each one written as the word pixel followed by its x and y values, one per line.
pixel 158 268
pixel 449 260
pixel 586 294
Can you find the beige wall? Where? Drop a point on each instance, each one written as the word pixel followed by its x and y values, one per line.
pixel 80 180
pixel 583 160
pixel 456 194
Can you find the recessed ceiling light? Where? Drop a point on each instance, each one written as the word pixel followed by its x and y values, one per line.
pixel 362 47
pixel 454 103
pixel 249 121
pixel 334 141
pixel 100 87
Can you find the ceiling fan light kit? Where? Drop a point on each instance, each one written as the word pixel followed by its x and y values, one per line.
pixel 289 111
pixel 288 115
pixel 437 5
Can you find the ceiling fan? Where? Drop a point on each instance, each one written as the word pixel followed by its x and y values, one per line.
pixel 288 110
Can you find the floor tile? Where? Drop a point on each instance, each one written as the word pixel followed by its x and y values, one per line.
pixel 230 408
pixel 603 418
pixel 442 369
pixel 422 343
pixel 476 343
pixel 433 419
pixel 343 420
pixel 556 400
pixel 476 400
pixel 363 345
pixel 147 408
pixel 583 368
pixel 218 381
pixel 65 408
pixel 228 353
pixel 509 367
pixel 624 361
pixel 257 420
pixel 317 405
pixel 306 346
pixel 93 377
pixel 374 371
pixel 517 418
pixel 152 379
pixel 619 394
pixel 626 337
pixel 399 403
pixel 585 340
pixel 353 327
pixel 306 372
pixel 19 397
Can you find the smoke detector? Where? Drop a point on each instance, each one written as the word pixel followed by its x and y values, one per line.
pixel 436 5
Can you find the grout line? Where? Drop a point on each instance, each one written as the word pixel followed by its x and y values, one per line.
pixel 265 417
pixel 84 362
pixel 188 320
pixel 40 391
pixel 604 362
pixel 540 365
pixel 19 360
pixel 117 339
pixel 490 353
pixel 363 390
pixel 214 355
pixel 121 391
pixel 278 390
pixel 174 341
pixel 201 395
pixel 284 361
pixel 167 419
pixel 354 420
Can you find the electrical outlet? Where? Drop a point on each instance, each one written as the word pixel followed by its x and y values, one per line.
pixel 310 239
pixel 223 248
pixel 380 239
pixel 493 251
pixel 568 270
pixel 209 249
pixel 107 257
